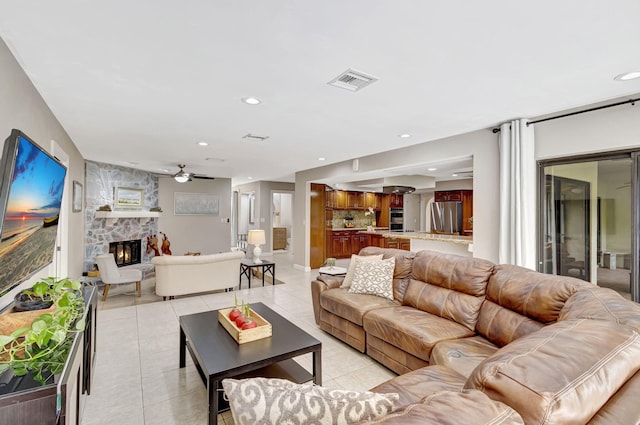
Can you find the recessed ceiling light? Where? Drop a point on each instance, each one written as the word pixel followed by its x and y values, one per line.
pixel 404 135
pixel 250 178
pixel 166 170
pixel 203 144
pixel 432 169
pixel 214 159
pixel 627 76
pixel 251 100
pixel 133 162
pixel 454 175
pixel 322 158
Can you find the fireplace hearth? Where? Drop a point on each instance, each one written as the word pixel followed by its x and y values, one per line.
pixel 126 253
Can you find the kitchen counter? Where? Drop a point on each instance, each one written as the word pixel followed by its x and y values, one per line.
pixel 451 244
pixel 360 229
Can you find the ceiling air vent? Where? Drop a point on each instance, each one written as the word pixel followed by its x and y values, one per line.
pixel 255 137
pixel 352 80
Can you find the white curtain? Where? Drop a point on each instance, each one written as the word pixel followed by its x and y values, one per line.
pixel 517 195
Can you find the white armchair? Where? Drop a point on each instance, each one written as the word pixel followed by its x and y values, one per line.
pixel 112 275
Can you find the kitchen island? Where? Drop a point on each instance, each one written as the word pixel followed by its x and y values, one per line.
pixel 419 241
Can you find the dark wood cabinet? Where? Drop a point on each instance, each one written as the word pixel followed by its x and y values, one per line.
pixel 449 195
pixel 317 224
pixel 377 240
pixel 339 199
pixel 341 244
pixel 397 243
pixel 359 241
pixel 373 200
pixel 396 200
pixel 355 200
pixel 467 212
pixel 329 197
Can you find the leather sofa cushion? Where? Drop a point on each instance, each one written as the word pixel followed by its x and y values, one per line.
pixel 453 408
pixel 351 307
pixel 592 302
pixel 412 330
pixel 455 272
pixel 538 296
pixel 520 301
pixel 563 373
pixel 414 386
pixel 446 303
pixel 449 286
pixel 462 355
pixel 622 408
pixel 501 325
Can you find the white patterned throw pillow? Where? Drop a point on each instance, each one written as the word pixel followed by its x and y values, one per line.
pixel 346 283
pixel 267 401
pixel 374 278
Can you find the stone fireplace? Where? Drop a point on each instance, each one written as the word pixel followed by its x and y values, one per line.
pixel 126 253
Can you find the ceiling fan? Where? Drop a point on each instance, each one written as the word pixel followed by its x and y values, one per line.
pixel 183 176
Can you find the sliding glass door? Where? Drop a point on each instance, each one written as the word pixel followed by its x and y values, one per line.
pixel 589 220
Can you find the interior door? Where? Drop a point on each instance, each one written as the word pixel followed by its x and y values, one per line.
pixel 567 223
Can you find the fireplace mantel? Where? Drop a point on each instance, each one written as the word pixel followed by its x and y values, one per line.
pixel 144 216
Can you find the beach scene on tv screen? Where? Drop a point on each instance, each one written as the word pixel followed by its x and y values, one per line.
pixel 31 219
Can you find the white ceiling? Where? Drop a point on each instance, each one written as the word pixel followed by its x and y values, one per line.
pixel 138 83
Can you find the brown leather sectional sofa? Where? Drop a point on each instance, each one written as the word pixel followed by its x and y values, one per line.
pixel 476 342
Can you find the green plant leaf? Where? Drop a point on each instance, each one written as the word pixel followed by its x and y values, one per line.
pixel 81 324
pixel 40 288
pixel 19 332
pixel 6 339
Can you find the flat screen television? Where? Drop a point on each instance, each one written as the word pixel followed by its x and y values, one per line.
pixel 30 198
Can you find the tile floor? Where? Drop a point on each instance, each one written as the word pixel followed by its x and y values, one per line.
pixel 137 380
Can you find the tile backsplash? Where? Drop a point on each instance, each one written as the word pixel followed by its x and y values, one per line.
pixel 359 219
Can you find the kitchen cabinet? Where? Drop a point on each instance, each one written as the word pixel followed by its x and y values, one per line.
pixel 373 200
pixel 397 243
pixel 449 195
pixel 340 244
pixel 377 240
pixel 355 200
pixel 329 197
pixel 317 224
pixel 339 199
pixel 396 200
pixel 359 241
pixel 467 212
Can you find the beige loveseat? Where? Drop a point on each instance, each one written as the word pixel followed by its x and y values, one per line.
pixel 479 343
pixel 191 274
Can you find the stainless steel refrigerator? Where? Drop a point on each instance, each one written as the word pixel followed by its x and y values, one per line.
pixel 446 217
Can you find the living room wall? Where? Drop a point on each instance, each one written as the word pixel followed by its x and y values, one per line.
pixel 22 107
pixel 207 234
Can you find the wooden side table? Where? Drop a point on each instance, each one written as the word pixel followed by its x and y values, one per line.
pixel 245 270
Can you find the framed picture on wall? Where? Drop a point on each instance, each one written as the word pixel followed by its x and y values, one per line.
pixel 196 204
pixel 77 197
pixel 128 198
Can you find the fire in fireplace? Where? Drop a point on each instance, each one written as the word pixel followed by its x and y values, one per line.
pixel 126 252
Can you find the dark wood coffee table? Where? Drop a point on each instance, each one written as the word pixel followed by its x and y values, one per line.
pixel 217 355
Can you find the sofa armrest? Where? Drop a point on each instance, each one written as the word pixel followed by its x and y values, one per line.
pixel 318 286
pixel 469 407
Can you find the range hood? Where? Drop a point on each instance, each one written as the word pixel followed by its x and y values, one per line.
pixel 398 189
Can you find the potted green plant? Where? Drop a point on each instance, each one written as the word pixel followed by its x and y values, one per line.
pixel 43 346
